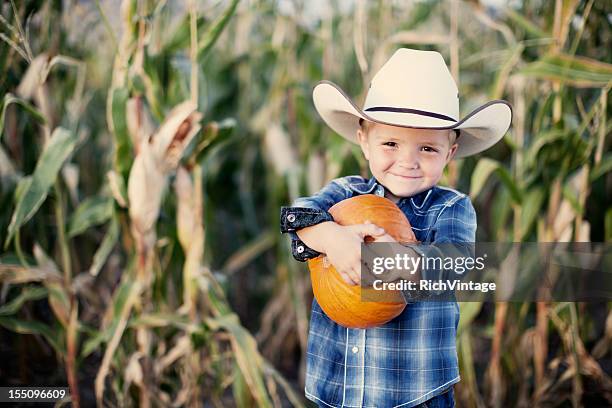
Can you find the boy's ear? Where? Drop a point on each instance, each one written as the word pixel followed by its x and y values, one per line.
pixel 363 142
pixel 451 152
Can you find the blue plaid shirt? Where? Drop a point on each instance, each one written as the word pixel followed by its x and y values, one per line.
pixel 408 360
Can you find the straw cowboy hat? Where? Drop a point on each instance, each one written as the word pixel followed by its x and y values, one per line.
pixel 414 89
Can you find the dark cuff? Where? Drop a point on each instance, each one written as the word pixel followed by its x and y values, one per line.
pixel 301 251
pixel 295 218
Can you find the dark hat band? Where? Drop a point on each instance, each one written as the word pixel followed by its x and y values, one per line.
pixel 406 110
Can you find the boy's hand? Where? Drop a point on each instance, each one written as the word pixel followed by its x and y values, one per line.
pixel 390 252
pixel 343 248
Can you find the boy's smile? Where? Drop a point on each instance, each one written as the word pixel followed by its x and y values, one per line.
pixel 406 161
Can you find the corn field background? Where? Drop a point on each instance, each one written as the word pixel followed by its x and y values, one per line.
pixel 147 146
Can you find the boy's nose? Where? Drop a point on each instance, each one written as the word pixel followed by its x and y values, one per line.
pixel 409 161
pixel 410 166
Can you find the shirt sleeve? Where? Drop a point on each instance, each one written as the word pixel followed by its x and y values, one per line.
pixel 308 211
pixel 454 236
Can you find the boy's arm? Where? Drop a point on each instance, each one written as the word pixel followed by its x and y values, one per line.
pixel 317 235
pixel 312 211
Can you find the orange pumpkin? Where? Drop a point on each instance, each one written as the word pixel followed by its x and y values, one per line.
pixel 342 302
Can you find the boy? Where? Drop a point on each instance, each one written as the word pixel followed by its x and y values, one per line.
pixel 408 131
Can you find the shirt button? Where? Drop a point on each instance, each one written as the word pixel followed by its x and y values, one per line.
pixel 300 249
pixel 355 349
pixel 291 217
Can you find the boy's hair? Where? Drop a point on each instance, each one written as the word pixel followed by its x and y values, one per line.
pixel 365 127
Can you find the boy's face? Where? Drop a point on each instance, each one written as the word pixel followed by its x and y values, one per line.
pixel 404 160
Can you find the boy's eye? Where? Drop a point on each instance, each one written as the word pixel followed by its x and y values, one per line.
pixel 428 149
pixel 390 144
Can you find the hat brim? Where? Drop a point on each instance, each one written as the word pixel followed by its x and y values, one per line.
pixel 480 129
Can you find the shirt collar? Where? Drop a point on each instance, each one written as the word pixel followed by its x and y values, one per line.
pixel 369 187
pixel 374 187
pixel 419 199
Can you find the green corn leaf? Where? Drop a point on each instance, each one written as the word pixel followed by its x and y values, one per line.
pixel 608 225
pixel 181 36
pixel 484 168
pixel 531 208
pixel 95 341
pixel 34 327
pixel 120 297
pixel 122 294
pixel 421 12
pixel 109 241
pixel 246 254
pixel 247 356
pixel 27 294
pixel 466 361
pixel 540 141
pixel 92 211
pixel 501 78
pixel 22 186
pixel 508 182
pixel 576 71
pixel 500 211
pixel 60 146
pixel 601 168
pixel 533 30
pixel 213 134
pixel 510 142
pixel 123 143
pixel 468 312
pixel 571 197
pixel 210 36
pixel 240 389
pixel 9 99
